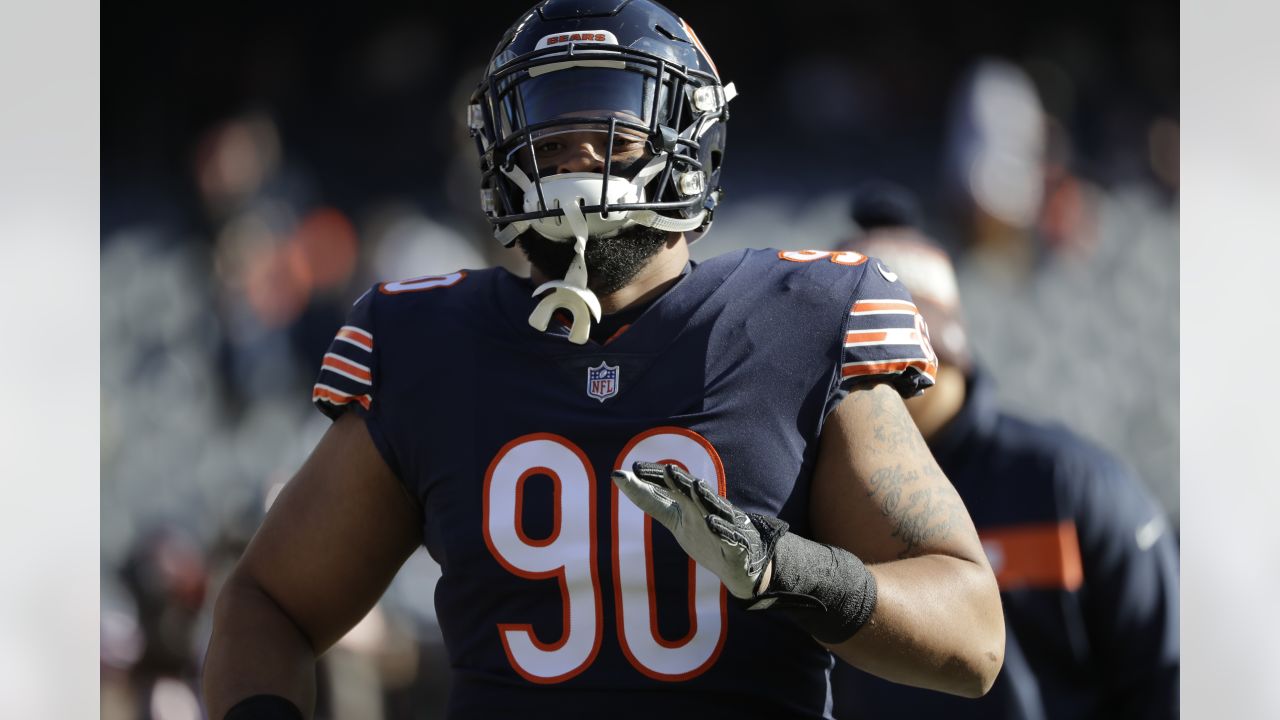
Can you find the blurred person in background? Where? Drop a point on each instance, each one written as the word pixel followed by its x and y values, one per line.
pixel 150 666
pixel 1008 173
pixel 1085 558
pixel 378 669
pixel 747 403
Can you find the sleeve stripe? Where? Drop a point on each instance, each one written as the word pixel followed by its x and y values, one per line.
pixel 356 336
pixel 880 307
pixel 881 322
pixel 347 364
pixel 880 367
pixel 887 336
pixel 360 344
pixel 335 396
pixel 337 371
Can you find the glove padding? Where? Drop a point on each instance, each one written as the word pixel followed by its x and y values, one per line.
pixel 736 546
pixel 828 591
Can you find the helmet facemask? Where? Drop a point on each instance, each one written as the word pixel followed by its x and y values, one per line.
pixel 655 136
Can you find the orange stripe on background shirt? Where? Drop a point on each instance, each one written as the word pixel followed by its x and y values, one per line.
pixel 1038 555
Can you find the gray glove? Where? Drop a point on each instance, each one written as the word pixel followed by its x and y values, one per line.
pixel 734 545
pixel 825 589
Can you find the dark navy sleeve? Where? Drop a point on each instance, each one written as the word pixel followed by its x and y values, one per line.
pixel 348 377
pixel 1130 591
pixel 885 337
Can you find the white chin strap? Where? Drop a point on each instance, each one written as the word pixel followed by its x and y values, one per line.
pixel 569 192
pixel 570 294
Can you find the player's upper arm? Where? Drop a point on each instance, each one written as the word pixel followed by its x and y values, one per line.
pixel 344 524
pixel 334 537
pixel 877 490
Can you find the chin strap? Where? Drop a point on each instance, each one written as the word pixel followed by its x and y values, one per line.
pixel 571 293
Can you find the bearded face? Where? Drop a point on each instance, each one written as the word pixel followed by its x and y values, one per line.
pixel 612 262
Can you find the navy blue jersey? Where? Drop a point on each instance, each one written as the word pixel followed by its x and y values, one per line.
pixel 1087 571
pixel 556 591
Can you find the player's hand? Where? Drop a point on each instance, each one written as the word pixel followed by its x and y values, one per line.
pixel 734 545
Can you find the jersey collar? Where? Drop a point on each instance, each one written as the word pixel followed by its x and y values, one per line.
pixel 650 329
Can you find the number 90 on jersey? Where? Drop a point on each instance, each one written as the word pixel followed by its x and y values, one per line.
pixel 570 555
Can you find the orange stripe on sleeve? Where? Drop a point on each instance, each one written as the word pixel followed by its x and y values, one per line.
pixel 1039 555
pixel 364 340
pixel 338 398
pixel 882 368
pixel 865 336
pixel 883 306
pixel 347 367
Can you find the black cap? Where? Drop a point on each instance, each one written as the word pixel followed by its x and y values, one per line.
pixel 881 203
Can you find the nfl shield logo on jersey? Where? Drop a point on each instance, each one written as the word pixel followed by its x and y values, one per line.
pixel 602 381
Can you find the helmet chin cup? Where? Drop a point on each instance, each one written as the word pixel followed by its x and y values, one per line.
pixel 570 294
pixel 581 303
pixel 573 190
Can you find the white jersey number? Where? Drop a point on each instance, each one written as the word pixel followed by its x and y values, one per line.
pixel 569 554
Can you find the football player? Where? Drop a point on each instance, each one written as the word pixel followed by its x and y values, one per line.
pixel 653 486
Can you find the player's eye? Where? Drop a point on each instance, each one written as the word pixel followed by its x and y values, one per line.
pixel 548 147
pixel 623 144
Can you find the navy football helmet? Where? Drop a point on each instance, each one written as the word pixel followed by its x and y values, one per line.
pixel 631 71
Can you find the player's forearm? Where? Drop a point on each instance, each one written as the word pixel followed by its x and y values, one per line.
pixel 937 624
pixel 255 649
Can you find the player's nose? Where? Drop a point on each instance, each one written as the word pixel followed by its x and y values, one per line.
pixel 582 154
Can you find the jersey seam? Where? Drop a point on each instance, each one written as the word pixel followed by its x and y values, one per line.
pixel 834 384
pixel 372 416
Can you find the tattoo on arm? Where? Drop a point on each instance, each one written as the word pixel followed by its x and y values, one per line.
pixel 919 502
pixel 919 515
pixel 895 430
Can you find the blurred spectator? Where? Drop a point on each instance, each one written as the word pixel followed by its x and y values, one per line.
pixel 1162 148
pixel 407 243
pixel 149 671
pixel 1009 172
pixel 1086 561
pixel 281 258
pixel 996 151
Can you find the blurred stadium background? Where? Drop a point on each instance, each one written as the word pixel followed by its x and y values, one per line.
pixel 261 166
